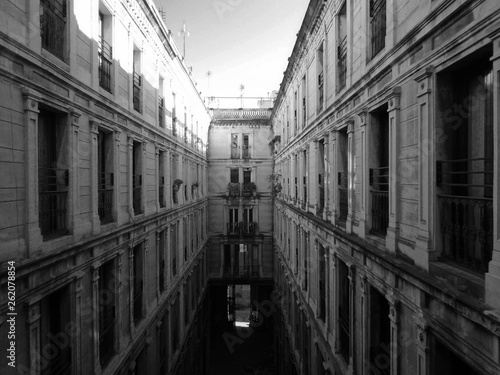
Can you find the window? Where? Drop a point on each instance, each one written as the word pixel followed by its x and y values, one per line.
pixel 249 187
pixel 377 26
pixel 306 257
pixel 53 20
pixel 104 49
pixel 344 311
pixel 235 175
pixel 136 80
pixel 304 101
pixel 161 103
pixel 248 222
pixel 304 181
pixel 176 313
pixel 55 317
pixel 161 178
pixel 163 347
pixel 161 259
pixel 53 178
pixel 107 312
pixel 379 171
pixel 246 146
pixel 321 176
pixel 464 171
pixel 138 282
pixel 137 177
pixel 173 248
pixel 174 118
pixel 105 176
pixel 342 47
pixel 185 238
pixel 295 111
pixel 321 78
pixel 380 334
pixel 233 226
pixel 177 182
pixel 446 362
pixel 185 126
pixel 322 282
pixel 235 154
pixel 342 175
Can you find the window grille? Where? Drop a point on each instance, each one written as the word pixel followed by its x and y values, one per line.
pixel 105 54
pixel 377 26
pixel 137 82
pixel 53 15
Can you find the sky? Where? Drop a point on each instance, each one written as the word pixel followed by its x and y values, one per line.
pixel 241 42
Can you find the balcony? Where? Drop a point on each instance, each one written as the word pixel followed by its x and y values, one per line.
pixel 379 182
pixel 233 229
pixel 465 209
pixel 53 201
pixel 249 228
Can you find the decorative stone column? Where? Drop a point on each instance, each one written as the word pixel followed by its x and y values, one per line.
pixel 394 130
pixel 422 343
pixel 117 212
pixel 326 176
pixel 131 289
pixel 94 178
pixel 34 336
pixel 423 245
pixel 352 284
pixel 363 289
pixel 95 316
pixel 492 278
pixel 34 236
pixel 394 334
pixel 334 201
pixel 144 185
pixel 75 223
pixel 130 177
pixel 157 178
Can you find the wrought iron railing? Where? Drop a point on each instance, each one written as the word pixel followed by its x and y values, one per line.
pixel 343 198
pixel 377 25
pixel 137 194
pixel 342 63
pixel 136 94
pixel 106 334
pixel 138 301
pixel 249 228
pixel 105 197
pixel 233 229
pixel 249 189
pixel 233 189
pixel 53 15
pixel 466 211
pixel 105 55
pixel 379 182
pixel 53 201
pixel 58 363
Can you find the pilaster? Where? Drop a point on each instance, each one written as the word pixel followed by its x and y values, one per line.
pixel 423 246
pixel 350 179
pixel 394 130
pixel 94 179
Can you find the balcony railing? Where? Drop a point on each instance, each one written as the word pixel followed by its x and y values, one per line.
pixel 379 181
pixel 249 189
pixel 249 228
pixel 246 152
pixel 53 201
pixel 343 200
pixel 136 94
pixel 105 55
pixel 106 334
pixel 137 194
pixel 233 229
pixel 466 211
pixel 105 197
pixel 138 301
pixel 233 189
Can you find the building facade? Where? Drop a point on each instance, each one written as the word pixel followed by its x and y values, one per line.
pixel 103 192
pixel 386 227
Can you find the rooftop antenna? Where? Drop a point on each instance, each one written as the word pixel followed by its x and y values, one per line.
pixel 184 33
pixel 242 87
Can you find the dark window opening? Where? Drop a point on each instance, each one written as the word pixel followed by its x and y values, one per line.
pixel 380 334
pixel 53 18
